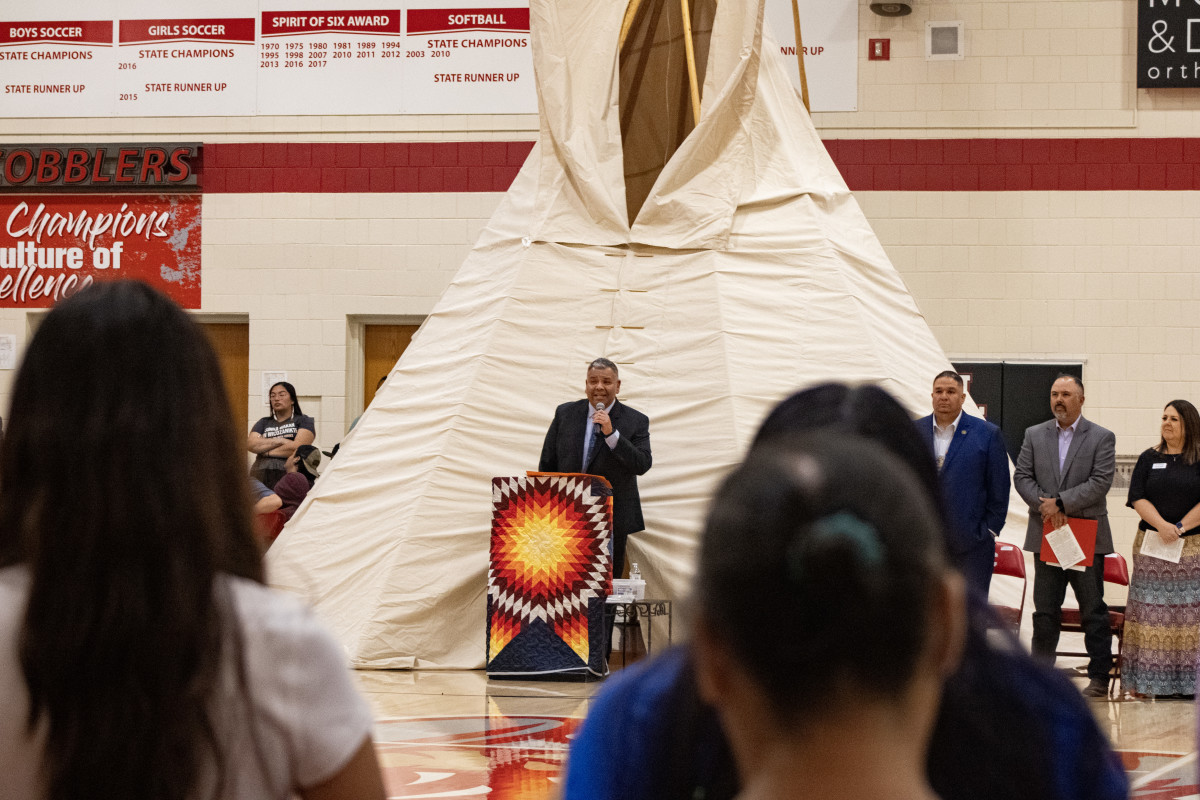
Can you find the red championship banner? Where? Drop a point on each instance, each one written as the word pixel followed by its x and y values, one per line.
pixel 424 21
pixel 72 32
pixel 150 31
pixel 53 245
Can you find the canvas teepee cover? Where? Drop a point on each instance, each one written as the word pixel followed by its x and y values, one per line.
pixel 748 272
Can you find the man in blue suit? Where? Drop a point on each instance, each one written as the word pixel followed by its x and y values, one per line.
pixel 973 472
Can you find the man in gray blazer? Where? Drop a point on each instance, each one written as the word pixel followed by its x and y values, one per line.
pixel 1065 469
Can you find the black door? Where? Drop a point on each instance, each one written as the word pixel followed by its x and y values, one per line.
pixel 1014 395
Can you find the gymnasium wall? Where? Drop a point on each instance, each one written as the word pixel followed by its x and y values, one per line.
pixel 1037 204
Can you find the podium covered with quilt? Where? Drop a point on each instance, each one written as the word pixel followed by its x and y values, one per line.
pixel 549 575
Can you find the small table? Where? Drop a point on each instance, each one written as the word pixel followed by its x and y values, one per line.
pixel 627 613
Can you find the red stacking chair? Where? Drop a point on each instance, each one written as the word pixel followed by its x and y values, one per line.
pixel 1010 561
pixel 1116 571
pixel 268 526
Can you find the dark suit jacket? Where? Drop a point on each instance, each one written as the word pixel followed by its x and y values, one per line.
pixel 974 480
pixel 1083 485
pixel 563 452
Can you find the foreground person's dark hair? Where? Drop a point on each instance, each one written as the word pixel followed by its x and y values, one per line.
pixel 866 411
pixel 810 546
pixel 119 398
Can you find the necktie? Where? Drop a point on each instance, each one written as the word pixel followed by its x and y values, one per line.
pixel 587 450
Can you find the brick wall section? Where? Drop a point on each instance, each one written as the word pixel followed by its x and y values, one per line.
pixel 868 165
pixel 985 165
pixel 362 167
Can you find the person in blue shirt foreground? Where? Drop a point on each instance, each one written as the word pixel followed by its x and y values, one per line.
pixel 833 530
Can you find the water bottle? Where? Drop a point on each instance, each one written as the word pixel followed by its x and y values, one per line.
pixel 635 574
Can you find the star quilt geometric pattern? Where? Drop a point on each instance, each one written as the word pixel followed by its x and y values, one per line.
pixel 549 562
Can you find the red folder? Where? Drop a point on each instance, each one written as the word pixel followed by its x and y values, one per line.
pixel 1085 534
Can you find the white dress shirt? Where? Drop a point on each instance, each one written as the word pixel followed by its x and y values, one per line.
pixel 942 437
pixel 1065 436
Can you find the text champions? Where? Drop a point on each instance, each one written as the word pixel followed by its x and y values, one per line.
pixel 32 272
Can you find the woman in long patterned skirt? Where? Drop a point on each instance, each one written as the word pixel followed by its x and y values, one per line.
pixel 1162 619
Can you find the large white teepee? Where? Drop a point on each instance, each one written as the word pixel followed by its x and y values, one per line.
pixel 748 272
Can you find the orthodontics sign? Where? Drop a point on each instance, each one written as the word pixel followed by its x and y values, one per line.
pixel 1168 42
pixel 52 245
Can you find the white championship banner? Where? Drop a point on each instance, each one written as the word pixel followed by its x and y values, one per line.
pixel 171 63
pixel 469 61
pixel 830 34
pixel 56 59
pixel 144 58
pixel 316 59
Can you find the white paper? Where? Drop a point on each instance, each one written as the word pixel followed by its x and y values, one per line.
pixel 8 351
pixel 1152 545
pixel 1066 548
pixel 269 379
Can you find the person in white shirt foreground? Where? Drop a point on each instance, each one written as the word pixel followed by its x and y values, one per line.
pixel 141 657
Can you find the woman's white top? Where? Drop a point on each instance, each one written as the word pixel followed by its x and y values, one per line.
pixel 298 722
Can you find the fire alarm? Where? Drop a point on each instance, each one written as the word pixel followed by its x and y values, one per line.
pixel 879 49
pixel 891 9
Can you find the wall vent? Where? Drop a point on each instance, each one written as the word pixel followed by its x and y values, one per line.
pixel 944 41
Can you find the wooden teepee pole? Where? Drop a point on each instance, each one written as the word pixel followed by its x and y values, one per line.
pixel 800 54
pixel 691 61
pixel 631 11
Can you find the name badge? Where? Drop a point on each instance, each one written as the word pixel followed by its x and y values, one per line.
pixel 1160 465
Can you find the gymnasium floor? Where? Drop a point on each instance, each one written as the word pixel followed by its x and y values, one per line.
pixel 455 734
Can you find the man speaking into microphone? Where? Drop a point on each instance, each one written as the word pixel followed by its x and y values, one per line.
pixel 600 435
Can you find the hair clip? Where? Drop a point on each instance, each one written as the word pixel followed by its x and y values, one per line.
pixel 853 529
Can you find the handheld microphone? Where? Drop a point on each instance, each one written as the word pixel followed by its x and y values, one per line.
pixel 599 407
